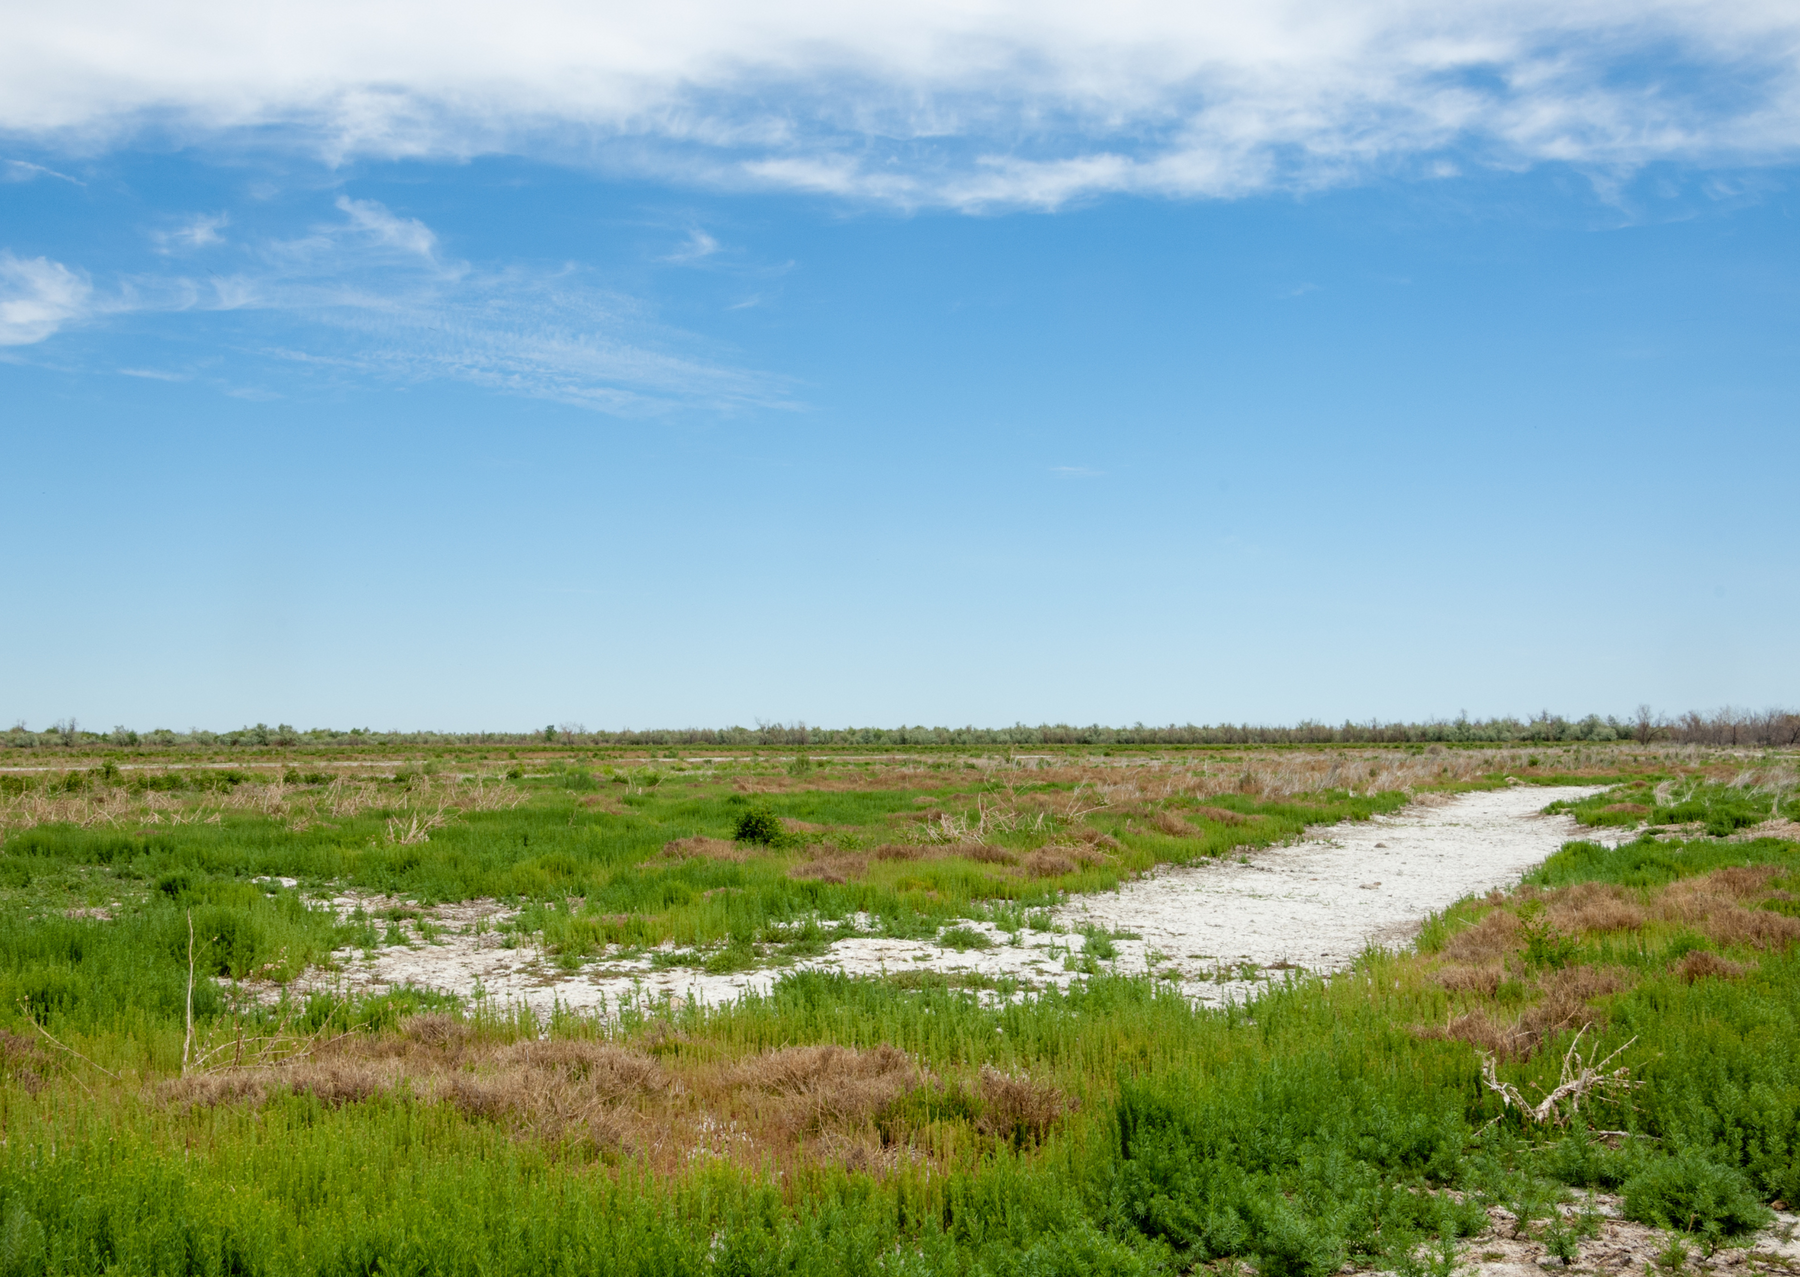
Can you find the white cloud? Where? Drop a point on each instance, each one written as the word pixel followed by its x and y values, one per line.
pixel 407 234
pixel 971 103
pixel 25 171
pixel 348 307
pixel 38 297
pixel 200 231
pixel 699 244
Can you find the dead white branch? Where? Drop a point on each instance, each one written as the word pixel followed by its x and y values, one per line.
pixel 1580 1079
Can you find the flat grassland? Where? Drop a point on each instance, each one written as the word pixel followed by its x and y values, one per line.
pixel 182 1093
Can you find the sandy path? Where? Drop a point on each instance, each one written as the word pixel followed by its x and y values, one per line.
pixel 1219 930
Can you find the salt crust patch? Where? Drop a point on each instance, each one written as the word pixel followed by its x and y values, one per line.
pixel 1620 1245
pixel 1219 931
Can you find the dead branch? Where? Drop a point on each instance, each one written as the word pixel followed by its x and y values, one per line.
pixel 26 1008
pixel 1576 1084
pixel 187 1045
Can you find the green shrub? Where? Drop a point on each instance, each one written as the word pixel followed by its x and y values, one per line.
pixel 1583 1162
pixel 760 825
pixel 1694 1194
pixel 1099 945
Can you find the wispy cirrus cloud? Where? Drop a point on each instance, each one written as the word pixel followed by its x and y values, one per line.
pixel 200 231
pixel 371 296
pixel 698 245
pixel 25 171
pixel 38 297
pixel 372 219
pixel 965 103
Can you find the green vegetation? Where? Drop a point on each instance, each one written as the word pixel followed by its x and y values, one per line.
pixel 1718 809
pixel 931 1123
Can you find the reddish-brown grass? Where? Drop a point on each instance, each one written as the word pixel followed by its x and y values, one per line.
pixel 700 847
pixel 1711 904
pixel 820 1087
pixel 831 868
pixel 1018 1109
pixel 807 1102
pixel 1594 906
pixel 1494 936
pixel 1701 965
pixel 1049 862
pixel 1219 814
pixel 984 852
pixel 1484 981
pixel 21 1060
pixel 1563 1002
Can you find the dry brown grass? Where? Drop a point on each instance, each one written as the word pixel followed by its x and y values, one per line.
pixel 700 847
pixel 658 1100
pixel 1494 936
pixel 1626 809
pixel 1483 981
pixel 1758 928
pixel 1595 906
pixel 1713 905
pixel 806 1090
pixel 414 811
pixel 1049 862
pixel 1219 814
pixel 1018 1109
pixel 989 855
pixel 1481 1030
pixel 1169 823
pixel 1566 997
pixel 1564 1001
pixel 23 1061
pixel 983 852
pixel 832 868
pixel 1701 965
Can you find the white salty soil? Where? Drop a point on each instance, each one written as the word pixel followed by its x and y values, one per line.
pixel 1619 1245
pixel 1217 930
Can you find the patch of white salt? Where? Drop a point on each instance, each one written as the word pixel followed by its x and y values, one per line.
pixel 1218 930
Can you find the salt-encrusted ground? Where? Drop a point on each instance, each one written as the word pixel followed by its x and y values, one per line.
pixel 1620 1245
pixel 1219 930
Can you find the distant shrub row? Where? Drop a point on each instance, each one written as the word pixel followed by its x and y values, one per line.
pixel 1726 727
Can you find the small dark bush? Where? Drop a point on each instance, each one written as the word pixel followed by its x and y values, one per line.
pixel 760 825
pixel 176 883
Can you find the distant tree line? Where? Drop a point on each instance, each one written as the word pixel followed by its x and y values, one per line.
pixel 1726 727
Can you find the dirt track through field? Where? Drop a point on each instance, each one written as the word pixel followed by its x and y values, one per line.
pixel 1218 930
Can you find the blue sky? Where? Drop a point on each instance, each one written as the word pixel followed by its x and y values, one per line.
pixel 933 363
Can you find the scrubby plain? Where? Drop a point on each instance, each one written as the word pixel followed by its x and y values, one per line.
pixel 163 1113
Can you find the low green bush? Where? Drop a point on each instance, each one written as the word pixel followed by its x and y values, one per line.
pixel 761 826
pixel 1695 1194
